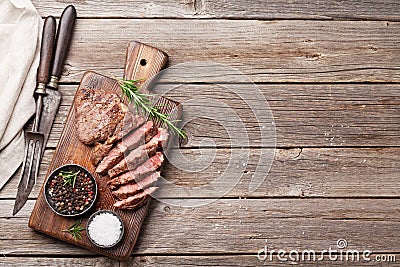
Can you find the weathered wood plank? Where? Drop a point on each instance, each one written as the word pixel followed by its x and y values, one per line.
pixel 252 260
pixel 266 51
pixel 304 115
pixel 310 172
pixel 276 9
pixel 57 262
pixel 236 225
pixel 189 261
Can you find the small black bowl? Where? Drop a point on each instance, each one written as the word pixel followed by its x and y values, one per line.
pixel 49 185
pixel 90 220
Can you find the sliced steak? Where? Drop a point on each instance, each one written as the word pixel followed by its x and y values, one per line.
pixel 132 140
pixel 97 114
pixel 161 138
pixel 100 151
pixel 143 170
pixel 140 136
pixel 140 154
pixel 134 158
pixel 129 123
pixel 113 157
pixel 132 189
pixel 136 200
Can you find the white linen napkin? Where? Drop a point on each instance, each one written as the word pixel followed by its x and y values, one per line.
pixel 20 31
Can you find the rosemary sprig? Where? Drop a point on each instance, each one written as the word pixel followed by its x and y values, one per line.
pixel 75 230
pixel 141 100
pixel 69 177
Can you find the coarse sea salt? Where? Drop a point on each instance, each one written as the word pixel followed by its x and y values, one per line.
pixel 105 229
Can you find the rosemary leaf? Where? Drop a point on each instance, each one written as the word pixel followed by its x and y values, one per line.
pixel 69 177
pixel 75 230
pixel 142 101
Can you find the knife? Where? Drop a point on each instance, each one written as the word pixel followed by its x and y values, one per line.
pixel 52 100
pixel 28 179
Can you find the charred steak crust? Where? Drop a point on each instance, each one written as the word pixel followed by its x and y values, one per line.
pixel 129 123
pixel 141 171
pixel 133 159
pixel 140 154
pixel 136 200
pixel 132 140
pixel 100 151
pixel 132 189
pixel 97 114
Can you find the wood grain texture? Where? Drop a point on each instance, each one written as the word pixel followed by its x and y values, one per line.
pixel 64 36
pixel 248 261
pixel 57 262
pixel 173 261
pixel 304 114
pixel 265 51
pixel 276 9
pixel 143 62
pixel 235 226
pixel 46 50
pixel 307 172
pixel 71 150
pixel 323 131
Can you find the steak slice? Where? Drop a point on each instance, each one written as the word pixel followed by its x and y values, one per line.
pixel 128 123
pixel 140 154
pixel 140 136
pixel 132 140
pixel 100 151
pixel 135 200
pixel 161 138
pixel 132 189
pixel 143 170
pixel 97 114
pixel 134 158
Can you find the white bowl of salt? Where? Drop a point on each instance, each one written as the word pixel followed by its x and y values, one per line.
pixel 105 228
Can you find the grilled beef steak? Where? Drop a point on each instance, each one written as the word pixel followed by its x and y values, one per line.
pixel 134 158
pixel 103 120
pixel 161 138
pixel 132 189
pixel 143 170
pixel 136 200
pixel 97 114
pixel 132 140
pixel 140 154
pixel 129 123
pixel 100 151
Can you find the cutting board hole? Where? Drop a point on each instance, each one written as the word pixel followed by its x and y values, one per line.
pixel 143 62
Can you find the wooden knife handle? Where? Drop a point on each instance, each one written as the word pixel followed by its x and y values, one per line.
pixel 46 50
pixel 63 39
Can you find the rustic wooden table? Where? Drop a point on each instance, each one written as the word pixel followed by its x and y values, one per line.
pixel 330 71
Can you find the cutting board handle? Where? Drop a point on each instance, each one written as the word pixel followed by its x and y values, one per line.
pixel 143 62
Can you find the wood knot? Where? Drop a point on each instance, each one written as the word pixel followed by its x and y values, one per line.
pixel 66 70
pixel 373 48
pixel 167 208
pixel 313 55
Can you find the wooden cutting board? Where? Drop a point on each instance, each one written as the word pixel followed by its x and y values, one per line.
pixel 142 61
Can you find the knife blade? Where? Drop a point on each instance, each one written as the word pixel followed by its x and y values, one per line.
pixel 28 179
pixel 52 100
